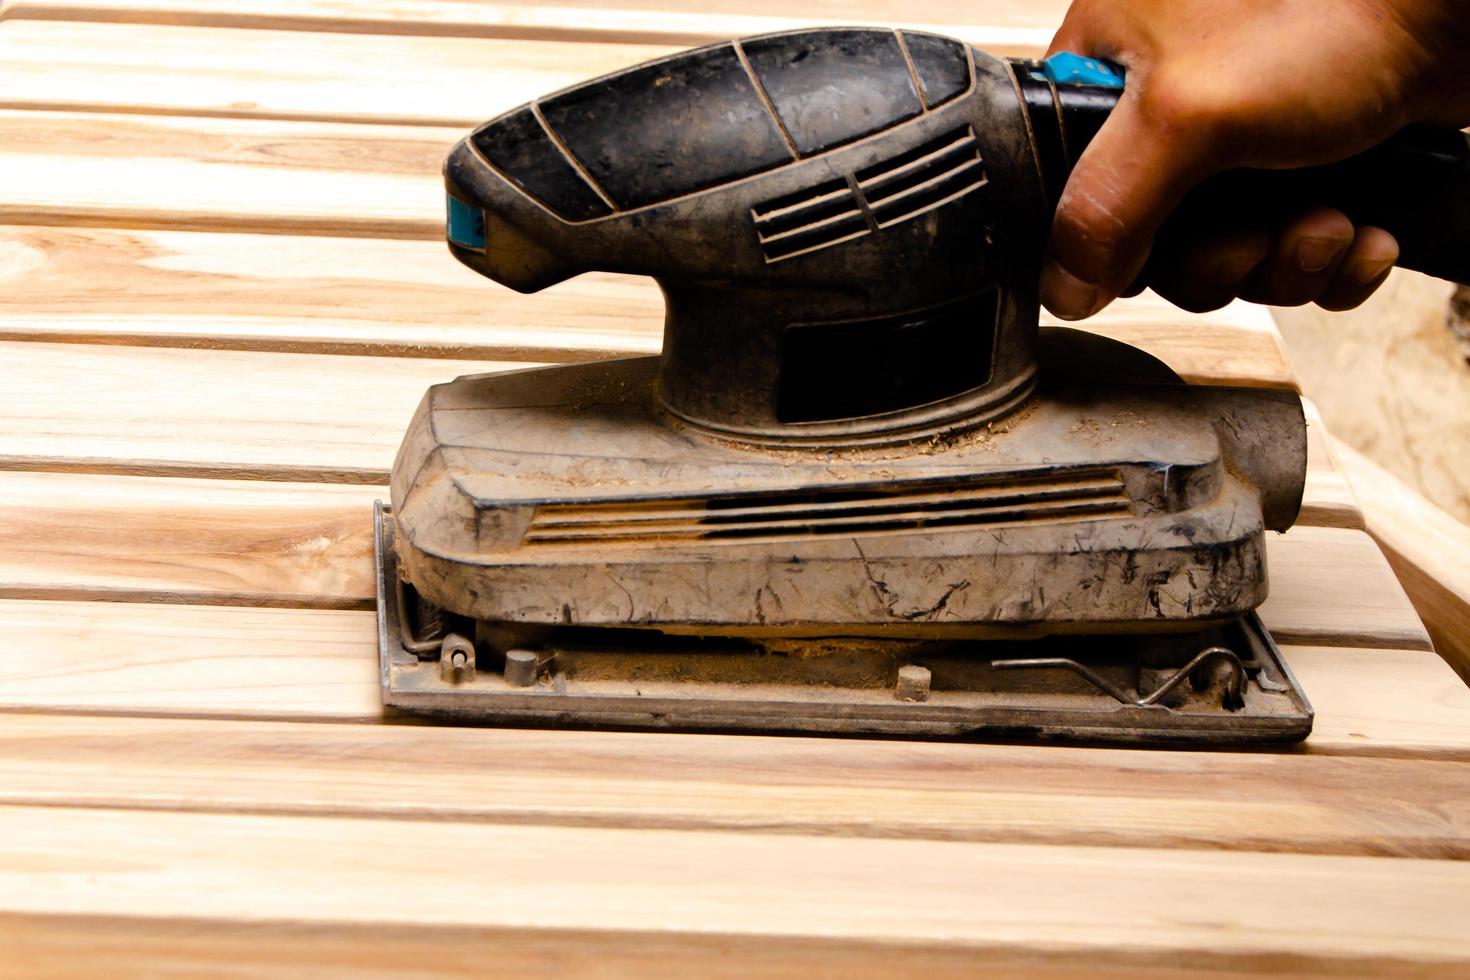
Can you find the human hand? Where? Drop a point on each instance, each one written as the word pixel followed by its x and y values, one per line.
pixel 1219 84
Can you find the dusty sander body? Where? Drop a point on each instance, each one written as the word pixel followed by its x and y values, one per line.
pixel 859 490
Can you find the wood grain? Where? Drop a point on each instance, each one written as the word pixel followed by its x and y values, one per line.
pixel 278 416
pixel 269 74
pixel 999 26
pixel 1381 702
pixel 321 665
pixel 76 535
pixel 52 947
pixel 1330 501
pixel 663 781
pixel 410 299
pixel 218 413
pixel 190 788
pixel 178 540
pixel 281 416
pixel 672 883
pixel 1428 549
pixel 204 661
pixel 1333 586
pixel 318 178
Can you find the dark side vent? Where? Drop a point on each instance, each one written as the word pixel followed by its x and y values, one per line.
pixel 804 514
pixel 906 186
pixel 925 178
pixel 804 222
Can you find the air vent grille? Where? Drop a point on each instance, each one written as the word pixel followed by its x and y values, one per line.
pixel 889 193
pixel 923 179
pixel 815 218
pixel 806 514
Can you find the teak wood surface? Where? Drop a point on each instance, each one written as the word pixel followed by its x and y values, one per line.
pixel 222 293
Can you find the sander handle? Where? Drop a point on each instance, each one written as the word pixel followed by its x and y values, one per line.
pixel 1416 185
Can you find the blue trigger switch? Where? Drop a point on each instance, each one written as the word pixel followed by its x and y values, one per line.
pixel 1066 68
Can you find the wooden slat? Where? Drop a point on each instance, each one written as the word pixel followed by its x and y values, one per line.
pixel 300 664
pixel 201 661
pixel 411 299
pixel 1333 586
pixel 268 415
pixel 898 898
pixel 437 81
pixel 221 413
pixel 223 174
pixel 248 542
pixel 177 540
pixel 53 947
pixel 1428 549
pixel 1000 26
pixel 1330 499
pixel 1379 702
pixel 663 781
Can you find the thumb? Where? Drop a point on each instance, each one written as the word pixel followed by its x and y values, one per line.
pixel 1134 173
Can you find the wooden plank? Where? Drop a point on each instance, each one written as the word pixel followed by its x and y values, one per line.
pixel 278 415
pixel 665 781
pixel 218 413
pixel 202 661
pixel 1353 690
pixel 1428 549
pixel 54 947
pixel 221 542
pixel 76 535
pixel 1330 501
pixel 1333 586
pixel 410 299
pixel 321 665
pixel 435 81
pixel 223 174
pixel 999 26
pixel 1201 907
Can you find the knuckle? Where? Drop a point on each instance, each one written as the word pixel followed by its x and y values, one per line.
pixel 1193 108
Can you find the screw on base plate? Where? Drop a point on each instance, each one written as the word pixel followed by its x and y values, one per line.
pixel 913 683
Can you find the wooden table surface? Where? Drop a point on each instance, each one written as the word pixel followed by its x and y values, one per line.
pixel 222 292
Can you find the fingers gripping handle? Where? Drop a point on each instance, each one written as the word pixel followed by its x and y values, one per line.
pixel 1416 185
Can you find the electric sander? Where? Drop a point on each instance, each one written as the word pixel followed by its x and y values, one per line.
pixel 859 490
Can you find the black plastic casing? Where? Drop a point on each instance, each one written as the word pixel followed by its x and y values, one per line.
pixel 870 194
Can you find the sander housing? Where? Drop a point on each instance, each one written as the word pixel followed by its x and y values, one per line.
pixel 860 489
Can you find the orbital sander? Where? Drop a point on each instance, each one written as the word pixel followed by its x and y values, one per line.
pixel 859 490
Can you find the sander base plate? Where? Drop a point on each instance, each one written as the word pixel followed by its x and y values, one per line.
pixel 1226 684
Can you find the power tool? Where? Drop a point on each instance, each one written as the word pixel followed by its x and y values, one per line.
pixel 859 490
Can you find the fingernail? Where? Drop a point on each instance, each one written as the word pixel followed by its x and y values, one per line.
pixel 1235 269
pixel 1067 296
pixel 1316 254
pixel 1370 270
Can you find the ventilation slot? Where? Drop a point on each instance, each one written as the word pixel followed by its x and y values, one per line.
pixel 815 218
pixel 924 178
pixel 806 514
pixel 910 184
